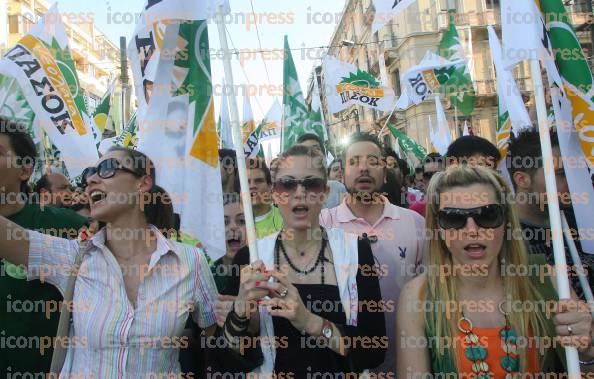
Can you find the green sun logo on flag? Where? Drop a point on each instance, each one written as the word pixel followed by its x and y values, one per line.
pixel 361 79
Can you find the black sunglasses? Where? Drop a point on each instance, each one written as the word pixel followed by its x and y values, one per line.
pixel 488 216
pixel 105 169
pixel 316 185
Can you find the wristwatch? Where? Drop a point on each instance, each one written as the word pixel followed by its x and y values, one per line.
pixel 327 330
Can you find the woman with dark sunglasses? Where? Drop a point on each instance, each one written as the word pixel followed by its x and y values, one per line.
pixel 134 288
pixel 483 308
pixel 311 304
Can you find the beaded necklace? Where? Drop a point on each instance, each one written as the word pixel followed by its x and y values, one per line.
pixel 477 353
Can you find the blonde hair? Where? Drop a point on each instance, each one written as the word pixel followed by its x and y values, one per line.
pixel 513 252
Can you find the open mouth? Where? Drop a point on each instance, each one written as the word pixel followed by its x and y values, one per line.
pixel 97 197
pixel 234 243
pixel 475 250
pixel 301 211
pixel 365 180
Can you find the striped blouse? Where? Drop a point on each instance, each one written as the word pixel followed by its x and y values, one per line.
pixel 110 337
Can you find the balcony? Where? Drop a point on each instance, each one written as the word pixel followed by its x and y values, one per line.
pixel 477 19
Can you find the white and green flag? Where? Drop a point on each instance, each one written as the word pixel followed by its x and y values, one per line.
pixel 13 103
pixel 224 123
pixel 102 114
pixel 433 74
pixel 42 64
pixel 440 138
pixel 407 145
pixel 250 134
pixel 460 87
pixel 297 119
pixel 385 10
pixel 177 126
pixel 346 85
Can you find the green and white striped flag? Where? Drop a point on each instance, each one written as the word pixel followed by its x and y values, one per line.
pixel 13 104
pixel 408 145
pixel 297 120
pixel 460 87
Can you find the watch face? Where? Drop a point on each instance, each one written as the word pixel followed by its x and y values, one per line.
pixel 327 332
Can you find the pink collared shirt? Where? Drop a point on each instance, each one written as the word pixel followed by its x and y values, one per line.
pixel 398 243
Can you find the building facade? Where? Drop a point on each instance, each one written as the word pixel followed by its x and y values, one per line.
pixel 403 42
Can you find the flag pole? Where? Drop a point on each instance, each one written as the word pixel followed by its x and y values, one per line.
pixel 387 120
pixel 577 262
pixel 571 353
pixel 237 141
pixel 456 121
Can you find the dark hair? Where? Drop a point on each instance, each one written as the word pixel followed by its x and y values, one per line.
pixel 22 144
pixel 42 184
pixel 389 152
pixel 159 210
pixel 419 170
pixel 231 198
pixel 318 161
pixel 312 137
pixel 362 137
pixel 467 146
pixel 259 164
pixel 227 157
pixel 404 169
pixel 434 158
pixel 525 154
pixel 392 189
pixel 336 160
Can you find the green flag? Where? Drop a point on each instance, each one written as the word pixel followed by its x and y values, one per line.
pixel 297 119
pixel 14 105
pixel 101 113
pixel 408 145
pixel 460 85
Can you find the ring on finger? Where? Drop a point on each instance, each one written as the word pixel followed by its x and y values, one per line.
pixel 569 330
pixel 283 292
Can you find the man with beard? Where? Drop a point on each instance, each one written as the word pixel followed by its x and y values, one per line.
pixel 397 235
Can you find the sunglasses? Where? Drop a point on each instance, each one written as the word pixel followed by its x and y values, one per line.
pixel 105 170
pixel 316 185
pixel 488 216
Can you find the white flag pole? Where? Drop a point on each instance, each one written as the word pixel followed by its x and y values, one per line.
pixel 571 353
pixel 388 120
pixel 577 262
pixel 237 140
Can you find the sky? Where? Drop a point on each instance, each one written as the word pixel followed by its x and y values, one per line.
pixel 308 23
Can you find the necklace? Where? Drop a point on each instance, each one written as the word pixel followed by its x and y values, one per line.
pixel 302 272
pixel 477 353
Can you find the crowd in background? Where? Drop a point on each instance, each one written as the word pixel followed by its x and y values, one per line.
pixel 358 259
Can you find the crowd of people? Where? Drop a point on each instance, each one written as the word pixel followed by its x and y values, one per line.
pixel 366 266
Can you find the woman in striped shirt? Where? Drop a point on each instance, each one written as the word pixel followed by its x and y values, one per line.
pixel 135 288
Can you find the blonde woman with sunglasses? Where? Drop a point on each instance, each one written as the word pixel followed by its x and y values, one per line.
pixel 481 309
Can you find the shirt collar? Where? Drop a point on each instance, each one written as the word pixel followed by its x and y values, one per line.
pixel 344 213
pixel 164 246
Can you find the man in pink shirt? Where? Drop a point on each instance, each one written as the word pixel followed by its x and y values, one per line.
pixel 397 235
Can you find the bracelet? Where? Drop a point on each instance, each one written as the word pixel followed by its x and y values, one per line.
pixel 587 363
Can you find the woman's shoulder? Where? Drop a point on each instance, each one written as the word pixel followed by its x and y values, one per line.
pixel 414 289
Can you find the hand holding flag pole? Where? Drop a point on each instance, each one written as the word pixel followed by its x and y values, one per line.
pixel 571 353
pixel 237 140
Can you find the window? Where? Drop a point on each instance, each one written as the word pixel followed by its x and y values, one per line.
pixel 492 4
pixel 13 24
pixel 397 88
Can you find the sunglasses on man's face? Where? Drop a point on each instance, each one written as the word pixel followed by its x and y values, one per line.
pixel 488 216
pixel 288 185
pixel 105 170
